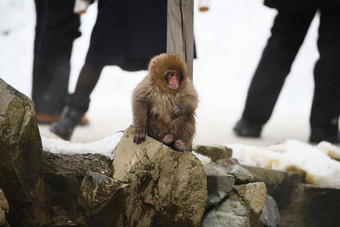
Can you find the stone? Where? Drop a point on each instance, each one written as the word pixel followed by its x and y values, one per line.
pixel 219 185
pixel 4 209
pixel 21 159
pixel 253 194
pixel 270 215
pixel 60 217
pixel 63 175
pixel 315 206
pixel 281 185
pixel 96 192
pixel 233 167
pixel 98 199
pixel 231 213
pixel 300 204
pixel 166 187
pixel 213 152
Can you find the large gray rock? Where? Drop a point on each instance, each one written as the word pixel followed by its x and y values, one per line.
pixel 219 185
pixel 168 188
pixel 313 206
pixel 20 159
pixel 63 176
pixel 4 209
pixel 242 207
pixel 231 213
pixel 99 200
pixel 281 185
pixel 270 215
pixel 300 204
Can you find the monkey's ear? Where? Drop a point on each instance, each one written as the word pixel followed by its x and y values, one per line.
pixel 153 65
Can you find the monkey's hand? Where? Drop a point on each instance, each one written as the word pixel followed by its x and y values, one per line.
pixel 176 111
pixel 179 145
pixel 168 139
pixel 139 136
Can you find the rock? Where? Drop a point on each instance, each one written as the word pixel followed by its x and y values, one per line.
pixel 63 175
pixel 253 194
pixel 214 152
pixel 231 213
pixel 270 215
pixel 285 188
pixel 20 159
pixel 4 209
pixel 168 188
pixel 233 167
pixel 315 206
pixel 281 185
pixel 219 185
pixel 60 217
pixel 97 194
pixel 300 204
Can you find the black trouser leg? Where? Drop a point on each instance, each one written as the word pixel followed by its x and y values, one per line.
pixel 288 32
pixel 326 102
pixel 57 27
pixel 88 78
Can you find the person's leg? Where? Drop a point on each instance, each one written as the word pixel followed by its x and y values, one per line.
pixel 88 78
pixel 77 103
pixel 56 29
pixel 326 101
pixel 288 32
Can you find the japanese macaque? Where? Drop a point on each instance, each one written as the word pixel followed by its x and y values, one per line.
pixel 164 104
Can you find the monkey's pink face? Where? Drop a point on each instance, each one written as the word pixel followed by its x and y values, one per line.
pixel 173 78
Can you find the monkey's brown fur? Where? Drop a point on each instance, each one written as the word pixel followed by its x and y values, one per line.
pixel 159 111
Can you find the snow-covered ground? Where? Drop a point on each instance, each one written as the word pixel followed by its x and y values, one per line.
pixel 229 38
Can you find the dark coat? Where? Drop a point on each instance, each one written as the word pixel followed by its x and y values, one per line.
pixel 301 4
pixel 128 33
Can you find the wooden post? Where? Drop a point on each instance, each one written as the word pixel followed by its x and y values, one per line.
pixel 180 31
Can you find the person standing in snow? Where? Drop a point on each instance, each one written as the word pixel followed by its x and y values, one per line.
pixel 287 34
pixel 126 34
pixel 57 26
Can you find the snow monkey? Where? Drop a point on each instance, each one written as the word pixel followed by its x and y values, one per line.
pixel 164 104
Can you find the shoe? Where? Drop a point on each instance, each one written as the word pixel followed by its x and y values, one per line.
pixel 72 114
pixel 47 119
pixel 68 121
pixel 244 128
pixel 318 136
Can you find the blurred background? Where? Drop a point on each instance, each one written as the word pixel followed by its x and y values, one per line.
pixel 229 38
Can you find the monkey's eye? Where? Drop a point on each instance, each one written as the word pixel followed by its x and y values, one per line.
pixel 172 73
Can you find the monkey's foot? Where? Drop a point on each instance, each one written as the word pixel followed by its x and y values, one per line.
pixel 168 139
pixel 179 145
pixel 139 137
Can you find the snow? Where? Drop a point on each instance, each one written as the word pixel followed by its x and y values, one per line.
pixel 312 162
pixel 229 38
pixel 104 146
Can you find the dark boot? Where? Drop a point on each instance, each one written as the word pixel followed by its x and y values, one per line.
pixel 71 116
pixel 318 136
pixel 245 128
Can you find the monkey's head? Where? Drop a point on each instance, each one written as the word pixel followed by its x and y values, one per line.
pixel 169 72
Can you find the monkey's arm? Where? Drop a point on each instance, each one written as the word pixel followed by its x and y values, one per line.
pixel 140 108
pixel 139 121
pixel 187 104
